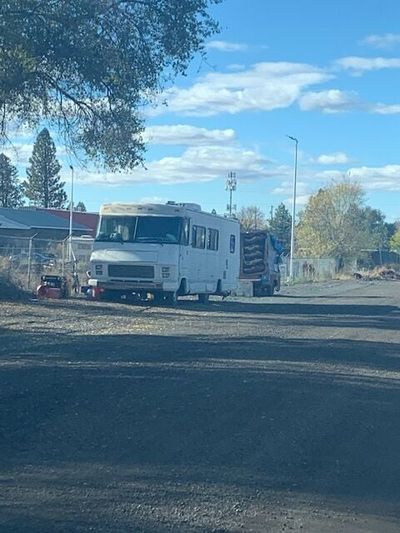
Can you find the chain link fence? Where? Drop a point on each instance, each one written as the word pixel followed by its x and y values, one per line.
pixel 310 269
pixel 24 260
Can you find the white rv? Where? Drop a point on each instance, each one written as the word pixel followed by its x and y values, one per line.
pixel 165 250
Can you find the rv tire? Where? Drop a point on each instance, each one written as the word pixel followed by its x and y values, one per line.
pixel 158 297
pixel 171 298
pixel 204 298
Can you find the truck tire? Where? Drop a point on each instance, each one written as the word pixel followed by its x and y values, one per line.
pixel 268 290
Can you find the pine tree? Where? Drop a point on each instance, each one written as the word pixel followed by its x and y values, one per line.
pixel 10 189
pixel 80 206
pixel 43 186
pixel 280 226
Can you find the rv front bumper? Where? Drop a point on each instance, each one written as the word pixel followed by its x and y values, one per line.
pixel 133 286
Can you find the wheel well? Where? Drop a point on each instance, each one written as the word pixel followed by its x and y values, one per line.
pixel 219 286
pixel 183 287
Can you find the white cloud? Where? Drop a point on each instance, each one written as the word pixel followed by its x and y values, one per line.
pixel 225 46
pixel 387 40
pixel 336 101
pixel 264 86
pixel 196 164
pixel 330 101
pixel 152 200
pixel 385 109
pixel 19 153
pixel 235 67
pixel 302 192
pixel 286 187
pixel 377 178
pixel 359 65
pixel 184 134
pixel 385 178
pixel 337 158
pixel 301 200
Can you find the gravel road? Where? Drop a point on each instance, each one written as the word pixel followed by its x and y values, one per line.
pixel 259 415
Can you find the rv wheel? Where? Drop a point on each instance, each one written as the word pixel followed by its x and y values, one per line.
pixel 158 297
pixel 171 298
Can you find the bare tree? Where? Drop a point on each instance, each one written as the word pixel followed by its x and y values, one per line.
pixel 251 218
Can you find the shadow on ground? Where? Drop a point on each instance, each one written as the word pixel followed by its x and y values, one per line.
pixel 119 421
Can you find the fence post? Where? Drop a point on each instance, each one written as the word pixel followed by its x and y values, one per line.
pixel 30 259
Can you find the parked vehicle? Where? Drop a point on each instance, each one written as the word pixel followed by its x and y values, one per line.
pixel 166 250
pixel 54 287
pixel 259 262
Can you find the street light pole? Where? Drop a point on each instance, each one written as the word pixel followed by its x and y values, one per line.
pixel 293 208
pixel 71 208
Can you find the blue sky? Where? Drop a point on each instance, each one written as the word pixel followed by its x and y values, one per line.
pixel 324 72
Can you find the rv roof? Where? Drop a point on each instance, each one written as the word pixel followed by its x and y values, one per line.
pixel 169 209
pixel 137 209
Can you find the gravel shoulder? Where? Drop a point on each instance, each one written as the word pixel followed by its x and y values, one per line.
pixel 270 414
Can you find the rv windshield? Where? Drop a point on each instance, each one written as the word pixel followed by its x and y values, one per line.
pixel 151 229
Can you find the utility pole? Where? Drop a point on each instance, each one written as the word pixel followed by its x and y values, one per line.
pixel 231 184
pixel 296 142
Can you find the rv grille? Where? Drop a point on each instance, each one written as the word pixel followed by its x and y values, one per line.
pixel 131 271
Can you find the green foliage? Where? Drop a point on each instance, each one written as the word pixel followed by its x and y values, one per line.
pixel 80 206
pixel 336 223
pixel 43 186
pixel 87 67
pixel 280 226
pixel 10 189
pixel 391 228
pixel 376 231
pixel 251 217
pixel 395 242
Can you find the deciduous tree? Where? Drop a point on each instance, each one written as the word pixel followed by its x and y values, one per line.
pixel 336 223
pixel 88 66
pixel 395 242
pixel 43 186
pixel 251 217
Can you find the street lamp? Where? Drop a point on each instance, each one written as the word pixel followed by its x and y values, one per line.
pixel 71 207
pixel 296 142
pixel 231 183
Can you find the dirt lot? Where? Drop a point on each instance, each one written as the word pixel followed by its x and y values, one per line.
pixel 276 414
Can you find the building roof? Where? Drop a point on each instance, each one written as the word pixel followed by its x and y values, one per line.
pixel 36 218
pixel 6 223
pixel 89 220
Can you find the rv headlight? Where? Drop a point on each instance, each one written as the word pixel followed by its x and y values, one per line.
pixel 165 272
pixel 98 270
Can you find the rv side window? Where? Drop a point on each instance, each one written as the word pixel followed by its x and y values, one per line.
pixel 213 237
pixel 198 237
pixel 232 244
